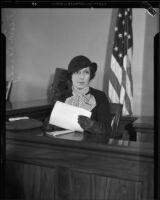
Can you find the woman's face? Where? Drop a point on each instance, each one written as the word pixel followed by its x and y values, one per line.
pixel 81 78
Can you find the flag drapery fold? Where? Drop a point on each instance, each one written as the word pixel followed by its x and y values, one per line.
pixel 120 85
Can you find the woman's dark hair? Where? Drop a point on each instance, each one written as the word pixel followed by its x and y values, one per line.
pixel 92 73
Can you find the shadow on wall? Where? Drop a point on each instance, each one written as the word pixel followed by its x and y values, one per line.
pixel 109 47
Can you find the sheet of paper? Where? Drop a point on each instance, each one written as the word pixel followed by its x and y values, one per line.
pixel 66 116
pixel 55 133
pixel 68 135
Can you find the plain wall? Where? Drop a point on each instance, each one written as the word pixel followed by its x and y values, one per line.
pixel 50 38
pixel 147 97
pixel 145 27
pixel 44 39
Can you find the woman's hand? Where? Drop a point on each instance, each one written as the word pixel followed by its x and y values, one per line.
pixel 93 126
pixel 46 126
pixel 85 122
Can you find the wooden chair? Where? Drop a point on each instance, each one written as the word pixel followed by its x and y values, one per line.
pixel 116 112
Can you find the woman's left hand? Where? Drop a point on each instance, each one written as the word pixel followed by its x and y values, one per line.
pixel 93 126
pixel 85 122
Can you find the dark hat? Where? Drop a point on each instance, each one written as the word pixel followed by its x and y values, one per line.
pixel 80 62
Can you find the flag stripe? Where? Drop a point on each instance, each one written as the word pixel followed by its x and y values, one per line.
pixel 115 77
pixel 120 88
pixel 113 80
pixel 116 69
pixel 113 94
pixel 128 103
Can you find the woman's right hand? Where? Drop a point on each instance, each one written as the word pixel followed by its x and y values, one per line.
pixel 46 126
pixel 49 127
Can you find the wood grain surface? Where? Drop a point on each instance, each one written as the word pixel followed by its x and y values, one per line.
pixel 40 167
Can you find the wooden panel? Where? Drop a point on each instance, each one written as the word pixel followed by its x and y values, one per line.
pixel 113 162
pixel 14 180
pixel 145 136
pixel 63 184
pixel 48 183
pixel 144 127
pixel 70 170
pixel 81 186
pixel 89 186
pixel 30 182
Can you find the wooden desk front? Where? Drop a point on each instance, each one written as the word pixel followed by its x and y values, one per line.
pixel 41 167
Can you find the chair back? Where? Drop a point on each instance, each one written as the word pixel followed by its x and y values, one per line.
pixel 59 84
pixel 116 112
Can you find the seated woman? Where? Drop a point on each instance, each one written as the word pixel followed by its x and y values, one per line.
pixel 81 71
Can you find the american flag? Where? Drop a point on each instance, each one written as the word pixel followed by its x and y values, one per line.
pixel 120 86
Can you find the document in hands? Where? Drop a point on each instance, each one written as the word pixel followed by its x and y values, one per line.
pixel 56 133
pixel 67 134
pixel 66 116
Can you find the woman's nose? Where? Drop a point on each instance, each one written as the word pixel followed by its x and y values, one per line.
pixel 81 75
